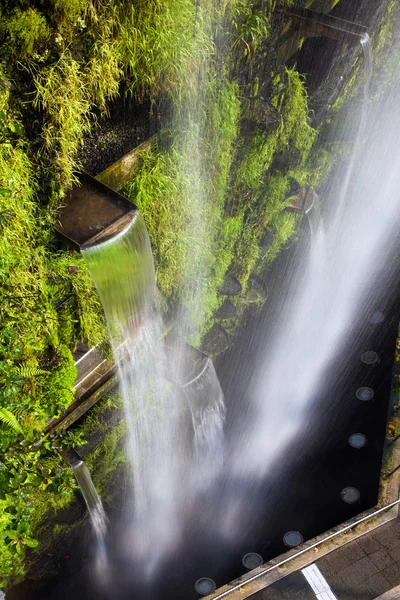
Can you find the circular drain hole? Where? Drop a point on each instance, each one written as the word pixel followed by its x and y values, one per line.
pixel 350 495
pixel 357 440
pixel 252 560
pixel 376 317
pixel 365 393
pixel 292 539
pixel 205 586
pixel 370 357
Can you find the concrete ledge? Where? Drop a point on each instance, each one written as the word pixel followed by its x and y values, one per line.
pixel 393 594
pixel 303 555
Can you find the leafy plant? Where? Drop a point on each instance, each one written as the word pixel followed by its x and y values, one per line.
pixel 250 25
pixel 29 371
pixel 10 420
pixel 25 31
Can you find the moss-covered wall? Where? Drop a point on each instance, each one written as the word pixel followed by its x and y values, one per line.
pixel 61 65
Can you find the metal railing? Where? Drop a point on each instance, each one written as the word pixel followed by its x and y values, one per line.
pixel 301 552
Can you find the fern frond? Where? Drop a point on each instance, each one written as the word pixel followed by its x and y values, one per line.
pixel 30 372
pixel 10 420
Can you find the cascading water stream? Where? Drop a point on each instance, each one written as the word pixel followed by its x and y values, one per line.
pixel 161 453
pixel 175 430
pixel 359 135
pixel 97 515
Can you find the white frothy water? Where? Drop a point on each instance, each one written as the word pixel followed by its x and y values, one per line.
pixel 168 465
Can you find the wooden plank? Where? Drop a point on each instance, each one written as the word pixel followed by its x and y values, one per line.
pixel 66 421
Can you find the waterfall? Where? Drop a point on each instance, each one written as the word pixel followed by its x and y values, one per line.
pixel 161 453
pixel 328 295
pixel 97 515
pixel 360 131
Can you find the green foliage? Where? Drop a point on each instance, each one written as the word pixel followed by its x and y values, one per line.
pixel 250 25
pixel 30 371
pixel 29 470
pixel 36 343
pixel 61 93
pixel 184 189
pixel 157 193
pixel 207 198
pixel 291 136
pixel 59 391
pixel 23 32
pixel 83 317
pixel 67 13
pixel 10 421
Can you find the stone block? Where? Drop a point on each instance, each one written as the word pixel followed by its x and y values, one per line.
pixel 378 584
pixel 392 573
pixel 386 535
pixel 337 561
pixel 353 552
pixel 381 559
pixel 365 567
pixel 350 576
pixel 394 551
pixel 369 544
pixel 325 567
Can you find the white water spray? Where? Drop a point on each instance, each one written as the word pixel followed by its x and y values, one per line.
pixel 168 465
pixel 316 320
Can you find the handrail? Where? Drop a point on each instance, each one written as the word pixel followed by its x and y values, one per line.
pixel 301 552
pixel 347 28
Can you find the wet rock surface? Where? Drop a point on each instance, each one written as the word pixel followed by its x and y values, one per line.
pixel 227 310
pixel 215 340
pixel 266 242
pixel 258 285
pixel 111 418
pixel 231 286
pixel 72 513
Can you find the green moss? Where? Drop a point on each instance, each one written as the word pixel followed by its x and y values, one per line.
pixel 67 13
pixel 292 137
pixel 157 192
pixel 24 31
pixel 84 318
pixel 184 189
pixel 60 387
pixel 109 455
